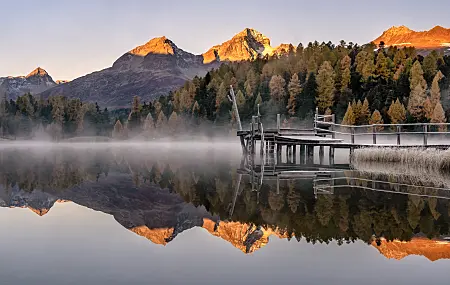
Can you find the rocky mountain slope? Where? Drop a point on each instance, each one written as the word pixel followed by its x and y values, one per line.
pixel 159 66
pixel 35 82
pixel 148 71
pixel 431 249
pixel 246 45
pixel 437 37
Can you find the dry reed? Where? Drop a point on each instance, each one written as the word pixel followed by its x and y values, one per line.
pixel 430 166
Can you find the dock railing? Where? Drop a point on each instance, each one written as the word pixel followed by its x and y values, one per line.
pixel 325 125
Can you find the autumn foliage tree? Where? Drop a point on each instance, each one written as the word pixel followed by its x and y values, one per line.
pixel 325 87
pixel 397 112
pixel 349 117
pixel 376 119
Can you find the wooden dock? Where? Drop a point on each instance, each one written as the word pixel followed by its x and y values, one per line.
pixel 326 133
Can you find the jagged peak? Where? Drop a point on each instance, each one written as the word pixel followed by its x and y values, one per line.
pixel 40 212
pixel 399 29
pixel 249 32
pixel 160 45
pixel 37 72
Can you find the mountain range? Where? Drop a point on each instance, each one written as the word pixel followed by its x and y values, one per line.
pixel 159 66
pixel 436 37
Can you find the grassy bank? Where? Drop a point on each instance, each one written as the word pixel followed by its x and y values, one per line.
pixel 425 165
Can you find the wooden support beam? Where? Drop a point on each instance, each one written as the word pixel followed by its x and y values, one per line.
pixel 331 155
pixel 425 135
pixel 374 134
pixel 302 154
pixel 321 154
pixel 310 154
pixel 294 154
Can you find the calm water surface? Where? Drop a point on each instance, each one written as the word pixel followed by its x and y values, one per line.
pixel 200 214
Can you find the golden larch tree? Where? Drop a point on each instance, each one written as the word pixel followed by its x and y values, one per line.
pixel 325 87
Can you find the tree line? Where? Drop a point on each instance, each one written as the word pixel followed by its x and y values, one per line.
pixel 360 84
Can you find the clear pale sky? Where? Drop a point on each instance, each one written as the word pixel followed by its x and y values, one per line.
pixel 72 38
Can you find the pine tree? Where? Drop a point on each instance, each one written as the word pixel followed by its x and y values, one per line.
pixel 196 110
pixel 258 100
pixel 240 99
pixel 435 90
pixel 118 130
pixel 349 117
pixel 376 119
pixel 325 87
pixel 161 121
pixel 173 122
pixel 382 67
pixel 222 94
pixel 397 112
pixel 345 72
pixel 277 88
pixel 430 66
pixel 149 124
pixel 416 76
pixel 294 91
pixel 136 104
pixel 356 108
pixel 364 112
pixel 58 110
pixel 439 117
pixel 251 83
pixel 428 108
pixel 400 58
pixel 416 102
pixel 364 64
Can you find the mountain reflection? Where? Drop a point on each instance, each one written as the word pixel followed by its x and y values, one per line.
pixel 160 194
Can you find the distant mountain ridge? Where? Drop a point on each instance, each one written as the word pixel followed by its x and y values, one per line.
pixel 35 82
pixel 160 66
pixel 436 37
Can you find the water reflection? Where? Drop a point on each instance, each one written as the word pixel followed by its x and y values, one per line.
pixel 161 193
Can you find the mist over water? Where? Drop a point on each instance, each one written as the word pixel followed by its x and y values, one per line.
pixel 171 212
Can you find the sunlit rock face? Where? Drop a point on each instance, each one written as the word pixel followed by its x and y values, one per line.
pixel 403 36
pixel 431 249
pixel 157 236
pixel 246 45
pixel 35 82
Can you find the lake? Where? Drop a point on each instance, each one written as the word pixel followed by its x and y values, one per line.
pixel 200 213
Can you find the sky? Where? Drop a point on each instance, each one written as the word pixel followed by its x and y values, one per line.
pixel 73 38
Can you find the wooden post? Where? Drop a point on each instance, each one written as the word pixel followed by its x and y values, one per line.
pixel 398 134
pixel 352 134
pixel 310 154
pixel 331 156
pixel 244 148
pixel 278 123
pixel 321 154
pixel 425 135
pixel 294 154
pixel 279 152
pixel 302 154
pixel 316 118
pixel 333 120
pixel 252 129
pixel 287 153
pixel 374 134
